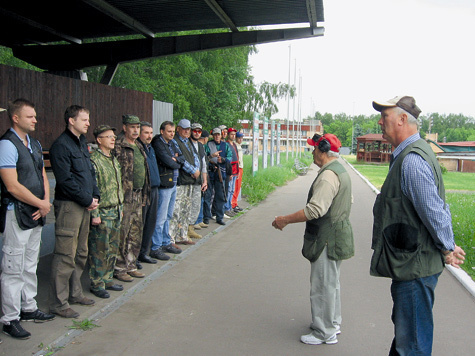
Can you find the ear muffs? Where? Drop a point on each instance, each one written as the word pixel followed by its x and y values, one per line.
pixel 324 145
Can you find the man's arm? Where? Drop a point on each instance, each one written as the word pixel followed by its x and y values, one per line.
pixel 282 221
pixel 19 191
pixel 418 185
pixel 163 157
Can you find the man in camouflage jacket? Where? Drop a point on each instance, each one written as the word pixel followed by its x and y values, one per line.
pixel 136 186
pixel 105 230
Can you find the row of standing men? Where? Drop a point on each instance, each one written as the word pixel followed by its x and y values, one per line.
pixel 130 201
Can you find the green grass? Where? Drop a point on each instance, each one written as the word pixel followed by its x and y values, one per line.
pixel 257 188
pixel 460 196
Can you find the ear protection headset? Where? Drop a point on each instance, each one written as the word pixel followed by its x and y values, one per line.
pixel 323 144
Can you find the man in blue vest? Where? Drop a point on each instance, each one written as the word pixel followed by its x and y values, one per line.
pixel 412 232
pixel 328 237
pixel 25 204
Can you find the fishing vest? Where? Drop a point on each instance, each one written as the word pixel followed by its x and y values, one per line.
pixel 334 228
pixel 403 247
pixel 30 174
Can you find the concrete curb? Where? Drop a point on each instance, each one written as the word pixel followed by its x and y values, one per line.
pixel 458 273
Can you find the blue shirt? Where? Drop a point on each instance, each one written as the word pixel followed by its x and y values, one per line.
pixel 9 156
pixel 418 185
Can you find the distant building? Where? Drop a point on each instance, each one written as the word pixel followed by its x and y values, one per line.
pixel 373 148
pixel 296 134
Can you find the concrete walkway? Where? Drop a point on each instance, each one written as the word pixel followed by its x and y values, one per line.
pixel 244 290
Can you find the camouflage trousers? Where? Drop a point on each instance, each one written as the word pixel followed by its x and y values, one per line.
pixel 131 230
pixel 195 203
pixel 181 214
pixel 103 247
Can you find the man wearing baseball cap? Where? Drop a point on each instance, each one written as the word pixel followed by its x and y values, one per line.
pixel 328 237
pixel 412 231
pixel 104 234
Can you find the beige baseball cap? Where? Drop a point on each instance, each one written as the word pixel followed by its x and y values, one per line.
pixel 407 103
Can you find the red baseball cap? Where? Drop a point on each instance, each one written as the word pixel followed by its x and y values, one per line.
pixel 335 143
pixel 231 130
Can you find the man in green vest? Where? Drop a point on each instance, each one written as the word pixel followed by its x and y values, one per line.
pixel 412 232
pixel 328 237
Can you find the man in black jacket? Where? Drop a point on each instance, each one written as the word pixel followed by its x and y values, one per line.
pixel 169 159
pixel 76 195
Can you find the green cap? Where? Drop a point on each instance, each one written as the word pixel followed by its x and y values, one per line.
pixel 102 128
pixel 130 119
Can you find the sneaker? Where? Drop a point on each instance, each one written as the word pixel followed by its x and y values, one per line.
pixel 171 249
pixel 67 313
pixel 159 255
pixel 230 213
pixel 15 330
pixel 203 224
pixel 311 339
pixel 197 227
pixel 37 316
pixel 226 216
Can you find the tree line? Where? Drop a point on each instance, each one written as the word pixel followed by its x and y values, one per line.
pixel 211 87
pixel 450 127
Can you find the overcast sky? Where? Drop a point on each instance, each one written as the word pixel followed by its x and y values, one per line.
pixel 378 49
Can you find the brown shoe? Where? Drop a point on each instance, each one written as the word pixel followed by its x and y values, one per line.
pixel 67 313
pixel 186 242
pixel 83 301
pixel 203 225
pixel 136 274
pixel 124 277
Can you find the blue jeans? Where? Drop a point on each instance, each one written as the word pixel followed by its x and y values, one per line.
pixel 412 316
pixel 166 203
pixel 229 198
pixel 200 215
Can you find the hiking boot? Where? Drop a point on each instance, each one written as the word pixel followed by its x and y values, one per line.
pixel 124 277
pixel 171 249
pixel 159 255
pixel 136 274
pixel 192 233
pixel 67 313
pixel 37 316
pixel 15 330
pixel 83 301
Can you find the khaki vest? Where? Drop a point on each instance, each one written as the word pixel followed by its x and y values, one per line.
pixel 334 228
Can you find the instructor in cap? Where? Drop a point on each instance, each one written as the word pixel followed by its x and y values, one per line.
pixel 412 232
pixel 328 237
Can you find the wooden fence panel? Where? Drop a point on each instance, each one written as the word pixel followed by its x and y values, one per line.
pixel 52 94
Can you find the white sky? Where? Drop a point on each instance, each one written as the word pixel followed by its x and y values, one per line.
pixel 378 49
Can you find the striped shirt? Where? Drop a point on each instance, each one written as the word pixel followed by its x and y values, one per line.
pixel 418 185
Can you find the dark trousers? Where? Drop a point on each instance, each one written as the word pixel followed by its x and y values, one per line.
pixel 149 213
pixel 216 187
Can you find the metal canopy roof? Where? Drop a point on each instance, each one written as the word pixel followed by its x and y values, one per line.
pixel 34 28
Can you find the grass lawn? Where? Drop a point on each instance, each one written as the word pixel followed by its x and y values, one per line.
pixel 460 195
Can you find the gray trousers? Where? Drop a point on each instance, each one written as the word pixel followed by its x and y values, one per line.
pixel 325 296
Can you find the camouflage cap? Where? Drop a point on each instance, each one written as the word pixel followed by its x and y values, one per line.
pixel 102 128
pixel 130 119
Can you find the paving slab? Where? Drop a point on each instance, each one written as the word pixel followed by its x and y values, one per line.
pixel 244 290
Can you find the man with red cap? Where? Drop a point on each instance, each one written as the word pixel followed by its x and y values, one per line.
pixel 328 237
